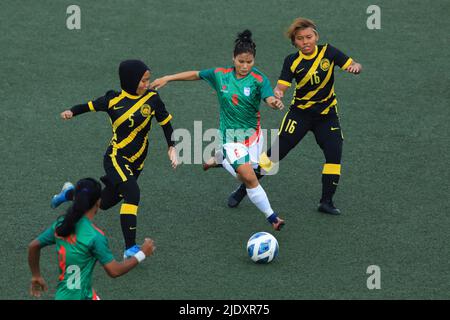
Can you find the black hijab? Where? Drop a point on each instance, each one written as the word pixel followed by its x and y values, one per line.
pixel 130 73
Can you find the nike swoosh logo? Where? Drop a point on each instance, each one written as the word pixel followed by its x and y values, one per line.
pixel 333 128
pixel 300 70
pixel 334 183
pixel 117 108
pixel 132 228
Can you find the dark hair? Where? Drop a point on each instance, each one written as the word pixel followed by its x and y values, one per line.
pixel 87 193
pixel 244 43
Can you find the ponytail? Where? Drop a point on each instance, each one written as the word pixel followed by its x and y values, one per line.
pixel 87 193
pixel 244 43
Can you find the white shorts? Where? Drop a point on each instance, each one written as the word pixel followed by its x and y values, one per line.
pixel 238 153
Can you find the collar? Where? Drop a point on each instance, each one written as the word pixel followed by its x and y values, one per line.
pixel 126 94
pixel 311 56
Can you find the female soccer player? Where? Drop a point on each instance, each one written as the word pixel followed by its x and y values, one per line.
pixel 79 244
pixel 131 112
pixel 240 90
pixel 314 107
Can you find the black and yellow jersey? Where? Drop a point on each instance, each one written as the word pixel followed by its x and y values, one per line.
pixel 131 118
pixel 314 77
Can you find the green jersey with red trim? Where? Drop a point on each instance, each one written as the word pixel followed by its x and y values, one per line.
pixel 77 255
pixel 239 101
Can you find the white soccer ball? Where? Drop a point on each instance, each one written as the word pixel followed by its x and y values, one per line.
pixel 262 247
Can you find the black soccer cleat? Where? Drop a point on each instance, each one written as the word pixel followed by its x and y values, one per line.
pixel 328 207
pixel 236 196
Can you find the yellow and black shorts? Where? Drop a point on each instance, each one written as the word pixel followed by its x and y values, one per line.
pixel 119 169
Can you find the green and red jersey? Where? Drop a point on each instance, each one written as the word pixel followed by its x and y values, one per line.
pixel 239 101
pixel 77 256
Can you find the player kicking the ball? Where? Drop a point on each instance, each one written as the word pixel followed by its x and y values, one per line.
pixel 240 90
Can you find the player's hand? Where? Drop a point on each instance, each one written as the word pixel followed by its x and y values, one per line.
pixel 354 68
pixel 279 94
pixel 148 247
pixel 275 103
pixel 173 157
pixel 158 83
pixel 278 104
pixel 38 286
pixel 66 115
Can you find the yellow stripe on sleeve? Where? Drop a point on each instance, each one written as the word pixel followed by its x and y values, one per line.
pixel 349 62
pixel 284 83
pixel 169 117
pixel 91 106
pixel 331 168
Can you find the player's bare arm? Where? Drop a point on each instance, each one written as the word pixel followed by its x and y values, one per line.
pixel 116 269
pixel 182 76
pixel 38 284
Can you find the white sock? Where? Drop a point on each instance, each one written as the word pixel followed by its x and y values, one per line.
pixel 259 198
pixel 227 166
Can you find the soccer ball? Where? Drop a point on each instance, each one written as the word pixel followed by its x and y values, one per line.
pixel 262 247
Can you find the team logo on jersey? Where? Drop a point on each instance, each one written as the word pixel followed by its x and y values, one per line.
pixel 224 89
pixel 145 110
pixel 247 91
pixel 325 64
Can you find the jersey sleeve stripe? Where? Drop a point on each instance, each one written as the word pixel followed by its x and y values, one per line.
pixel 91 106
pixel 347 64
pixel 96 228
pixel 169 117
pixel 257 77
pixel 223 70
pixel 284 83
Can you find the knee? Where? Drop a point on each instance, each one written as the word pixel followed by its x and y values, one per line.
pixel 131 192
pixel 249 178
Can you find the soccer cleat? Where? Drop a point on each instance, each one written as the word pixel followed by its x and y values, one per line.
pixel 59 198
pixel 236 196
pixel 278 225
pixel 276 222
pixel 328 207
pixel 130 252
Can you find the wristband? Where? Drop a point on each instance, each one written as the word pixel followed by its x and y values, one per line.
pixel 140 256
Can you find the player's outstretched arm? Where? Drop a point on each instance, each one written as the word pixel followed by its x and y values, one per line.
pixel 38 285
pixel 182 76
pixel 116 269
pixel 354 68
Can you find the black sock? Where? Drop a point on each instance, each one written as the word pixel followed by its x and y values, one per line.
pixel 329 185
pixel 128 223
